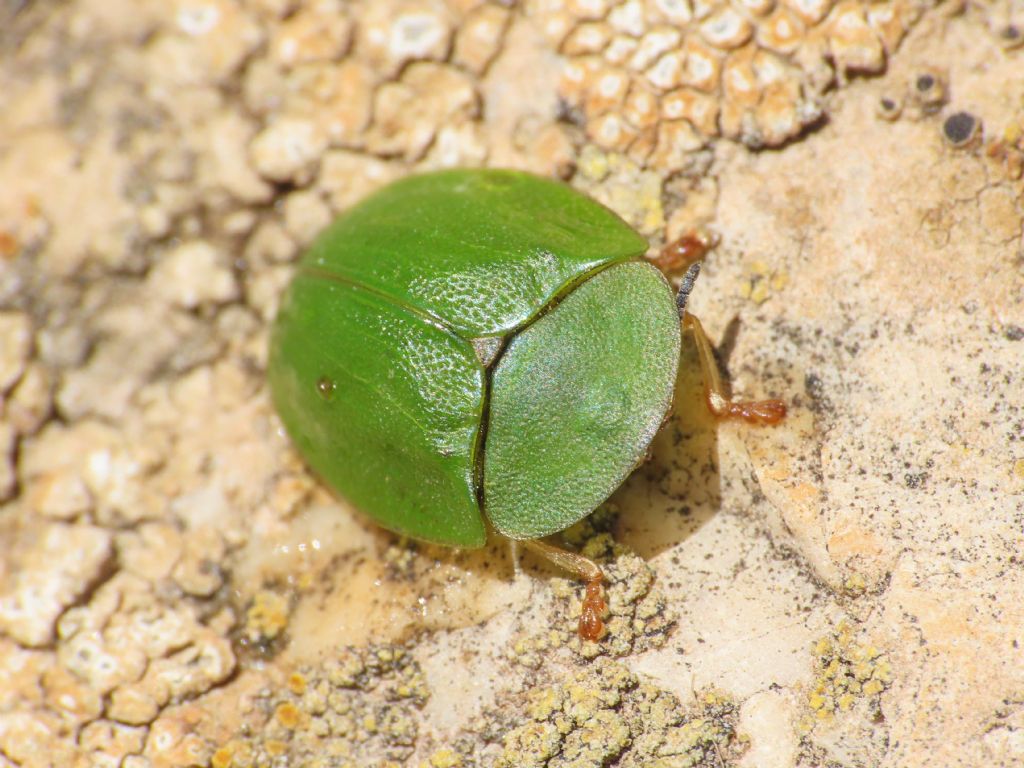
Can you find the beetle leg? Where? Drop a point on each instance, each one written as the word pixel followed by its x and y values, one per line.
pixel 684 251
pixel 517 568
pixel 591 625
pixel 752 411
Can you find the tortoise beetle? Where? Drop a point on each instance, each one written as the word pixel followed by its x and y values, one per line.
pixel 474 347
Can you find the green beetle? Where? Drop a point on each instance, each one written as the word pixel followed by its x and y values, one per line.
pixel 478 345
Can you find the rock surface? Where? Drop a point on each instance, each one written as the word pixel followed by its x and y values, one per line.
pixel 843 589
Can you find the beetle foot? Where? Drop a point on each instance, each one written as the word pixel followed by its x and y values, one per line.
pixel 591 625
pixel 752 411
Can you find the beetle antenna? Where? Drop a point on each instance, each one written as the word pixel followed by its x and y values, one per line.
pixel 686 286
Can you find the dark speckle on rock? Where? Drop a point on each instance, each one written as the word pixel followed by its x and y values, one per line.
pixel 1011 35
pixel 1013 332
pixel 959 128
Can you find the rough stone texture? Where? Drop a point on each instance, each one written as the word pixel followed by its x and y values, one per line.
pixel 46 568
pixel 843 589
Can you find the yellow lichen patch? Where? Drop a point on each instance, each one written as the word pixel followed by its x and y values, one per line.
pixel 530 650
pixel 761 282
pixel 847 672
pixel 267 617
pixel 275 748
pixel 288 715
pixel 855 584
pixel 616 180
pixel 443 758
pixel 222 758
pixel 358 705
pixel 297 683
pixel 605 715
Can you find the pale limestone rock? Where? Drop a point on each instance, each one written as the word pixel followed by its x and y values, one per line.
pixel 318 31
pixel 8 476
pixel 393 34
pixel 61 459
pixel 71 696
pixel 226 165
pixel 264 87
pixel 132 704
pixel 409 113
pixel 112 742
pixel 263 291
pixel 34 595
pixel 150 552
pixel 216 38
pixel 29 402
pixel 239 222
pixel 337 98
pixel 127 643
pixel 192 274
pixel 480 37
pixel 15 345
pixel 270 243
pixel 458 146
pixel 59 495
pixel 288 150
pixel 347 177
pixel 198 572
pixel 769 720
pixel 305 216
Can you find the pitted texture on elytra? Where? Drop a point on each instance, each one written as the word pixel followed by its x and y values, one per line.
pixel 482 252
pixel 396 430
pixel 576 400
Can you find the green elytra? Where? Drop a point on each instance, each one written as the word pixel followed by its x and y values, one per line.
pixel 475 344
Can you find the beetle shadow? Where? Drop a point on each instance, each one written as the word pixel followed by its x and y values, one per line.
pixel 678 490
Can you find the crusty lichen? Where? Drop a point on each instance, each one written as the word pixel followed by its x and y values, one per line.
pixel 635 193
pixel 266 619
pixel 601 715
pixel 358 707
pixel 648 77
pixel 848 672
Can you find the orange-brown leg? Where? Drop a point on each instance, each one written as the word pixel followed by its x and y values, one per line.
pixel 591 626
pixel 752 411
pixel 686 250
